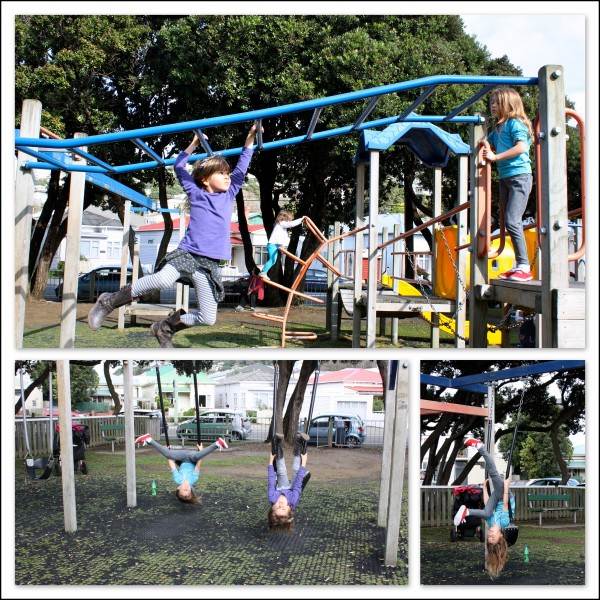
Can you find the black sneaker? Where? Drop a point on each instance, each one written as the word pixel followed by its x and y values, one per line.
pixel 305 479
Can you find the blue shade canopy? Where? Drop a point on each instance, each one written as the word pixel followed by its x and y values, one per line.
pixel 429 143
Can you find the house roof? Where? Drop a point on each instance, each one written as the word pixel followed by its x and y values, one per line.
pixel 365 389
pixel 234 228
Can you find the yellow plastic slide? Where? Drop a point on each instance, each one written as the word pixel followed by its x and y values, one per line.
pixel 446 323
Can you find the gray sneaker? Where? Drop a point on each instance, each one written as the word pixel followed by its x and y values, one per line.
pixel 239 308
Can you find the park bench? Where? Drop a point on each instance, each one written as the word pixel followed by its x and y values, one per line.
pixel 544 503
pixel 114 432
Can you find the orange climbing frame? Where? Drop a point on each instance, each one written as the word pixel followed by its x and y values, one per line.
pixel 323 242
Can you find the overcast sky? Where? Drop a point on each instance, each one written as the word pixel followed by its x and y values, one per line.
pixel 532 41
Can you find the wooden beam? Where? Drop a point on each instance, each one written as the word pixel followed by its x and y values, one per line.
pixel 432 407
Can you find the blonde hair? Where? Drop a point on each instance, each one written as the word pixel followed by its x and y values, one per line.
pixel 281 523
pixel 284 215
pixel 497 555
pixel 510 105
pixel 191 499
pixel 204 168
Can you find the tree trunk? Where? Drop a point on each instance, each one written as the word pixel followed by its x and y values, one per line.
pixel 245 233
pixel 285 373
pixel 37 382
pixel 111 387
pixel 292 414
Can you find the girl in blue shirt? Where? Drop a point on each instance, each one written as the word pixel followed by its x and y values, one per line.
pixel 185 465
pixel 495 512
pixel 508 146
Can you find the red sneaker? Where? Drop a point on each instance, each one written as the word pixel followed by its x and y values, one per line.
pixel 222 444
pixel 144 438
pixel 473 442
pixel 520 275
pixel 506 274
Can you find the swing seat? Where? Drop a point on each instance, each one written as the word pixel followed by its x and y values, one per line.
pixel 39 464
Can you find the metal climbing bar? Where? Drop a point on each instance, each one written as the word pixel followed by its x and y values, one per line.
pixel 27 145
pixel 304 265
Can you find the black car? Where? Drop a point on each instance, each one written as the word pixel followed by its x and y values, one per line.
pixel 105 279
pixel 316 281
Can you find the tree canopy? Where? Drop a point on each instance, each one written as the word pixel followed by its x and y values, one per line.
pixel 102 73
pixel 552 404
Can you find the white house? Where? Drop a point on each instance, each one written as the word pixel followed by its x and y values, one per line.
pixel 178 389
pixel 34 404
pixel 100 241
pixel 250 388
pixel 349 390
pixel 389 221
pixel 150 235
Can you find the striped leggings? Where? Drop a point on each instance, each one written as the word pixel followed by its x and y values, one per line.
pixel 166 278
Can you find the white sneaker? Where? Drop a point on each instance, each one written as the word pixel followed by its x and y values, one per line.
pixel 239 308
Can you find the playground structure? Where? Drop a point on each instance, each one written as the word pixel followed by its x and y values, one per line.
pixel 484 383
pixel 559 305
pixel 392 466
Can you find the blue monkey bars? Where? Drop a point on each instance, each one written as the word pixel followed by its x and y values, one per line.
pixel 38 148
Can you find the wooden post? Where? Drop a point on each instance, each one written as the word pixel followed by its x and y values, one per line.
pixel 31 116
pixel 461 255
pixel 129 433
pixel 555 223
pixel 489 432
pixel 371 334
pixel 334 309
pixel 63 383
pixel 396 271
pixel 182 291
pixel 124 259
pixel 397 467
pixel 69 300
pixel 437 211
pixel 358 250
pixel 384 238
pixel 479 266
pixel 386 457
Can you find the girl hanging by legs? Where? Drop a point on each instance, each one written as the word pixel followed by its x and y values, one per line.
pixel 495 512
pixel 185 465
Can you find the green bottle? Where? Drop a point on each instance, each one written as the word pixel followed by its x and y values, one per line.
pixel 153 487
pixel 526 554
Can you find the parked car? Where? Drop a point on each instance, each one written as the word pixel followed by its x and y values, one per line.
pixel 106 279
pixel 152 413
pixel 217 422
pixel 354 429
pixel 552 481
pixel 316 281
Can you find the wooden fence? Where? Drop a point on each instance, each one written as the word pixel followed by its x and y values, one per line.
pixel 38 432
pixel 437 501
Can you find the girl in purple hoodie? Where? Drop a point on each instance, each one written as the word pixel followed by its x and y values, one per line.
pixel 284 494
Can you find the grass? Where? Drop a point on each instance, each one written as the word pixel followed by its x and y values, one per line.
pixel 222 541
pixel 557 557
pixel 413 332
